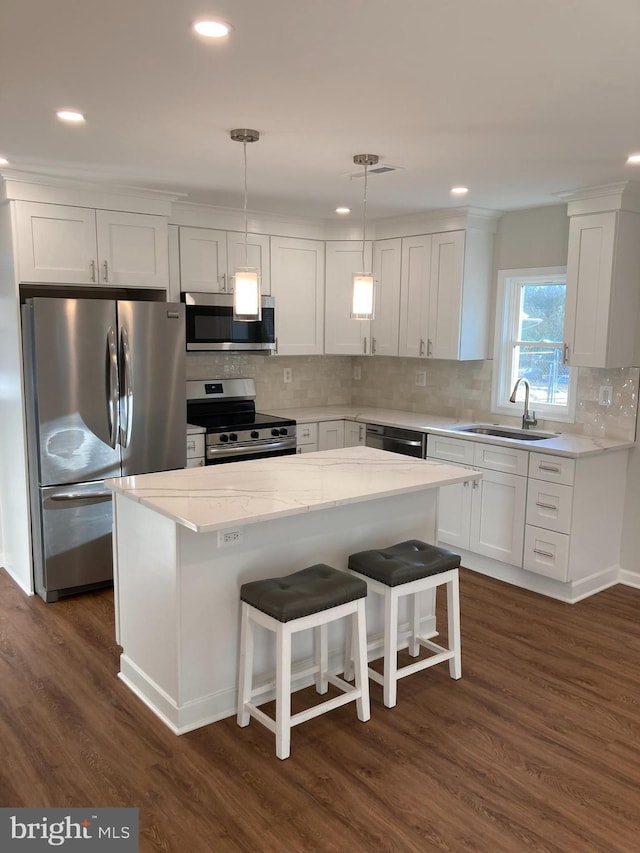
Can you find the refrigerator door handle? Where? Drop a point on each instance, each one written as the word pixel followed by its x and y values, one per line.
pixel 113 410
pixel 127 388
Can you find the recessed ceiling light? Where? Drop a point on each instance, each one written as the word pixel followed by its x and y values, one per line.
pixel 4 161
pixel 211 29
pixel 459 190
pixel 633 158
pixel 70 115
pixel 343 210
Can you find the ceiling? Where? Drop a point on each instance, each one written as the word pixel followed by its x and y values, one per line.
pixel 517 100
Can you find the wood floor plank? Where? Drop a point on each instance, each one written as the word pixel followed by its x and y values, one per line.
pixel 537 747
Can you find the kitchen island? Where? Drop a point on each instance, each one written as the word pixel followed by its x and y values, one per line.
pixel 185 541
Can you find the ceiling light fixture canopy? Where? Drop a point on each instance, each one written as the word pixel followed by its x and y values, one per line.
pixel 363 298
pixel 247 304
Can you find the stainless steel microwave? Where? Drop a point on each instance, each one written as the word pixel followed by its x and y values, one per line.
pixel 210 324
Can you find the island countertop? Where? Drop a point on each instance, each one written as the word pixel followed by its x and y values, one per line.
pixel 218 496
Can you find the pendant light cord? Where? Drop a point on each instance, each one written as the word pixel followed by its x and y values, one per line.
pixel 244 145
pixel 364 216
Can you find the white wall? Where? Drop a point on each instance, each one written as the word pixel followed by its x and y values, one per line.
pixel 538 237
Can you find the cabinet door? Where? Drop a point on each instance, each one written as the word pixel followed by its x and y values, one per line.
pixel 354 433
pixel 257 256
pixel 386 271
pixel 342 335
pixel 498 516
pixel 330 435
pixel 298 288
pixel 203 261
pixel 454 514
pixel 133 249
pixel 414 296
pixel 445 294
pixel 56 243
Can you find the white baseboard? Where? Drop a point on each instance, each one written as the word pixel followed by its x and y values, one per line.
pixel 629 578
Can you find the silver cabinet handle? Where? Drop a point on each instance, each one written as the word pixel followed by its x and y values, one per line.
pixel 222 280
pixel 361 433
pixel 476 484
pixel 93 271
pixel 546 506
pixel 429 347
pixel 466 484
pixel 543 553
pixel 113 411
pixel 421 346
pixel 276 346
pixel 127 388
pixel 106 271
pixel 552 468
pixel 373 346
pixel 565 354
pixel 365 346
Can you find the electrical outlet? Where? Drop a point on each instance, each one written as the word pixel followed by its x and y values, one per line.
pixel 421 377
pixel 605 397
pixel 288 374
pixel 357 371
pixel 229 537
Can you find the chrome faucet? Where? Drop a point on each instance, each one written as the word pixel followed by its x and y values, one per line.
pixel 528 418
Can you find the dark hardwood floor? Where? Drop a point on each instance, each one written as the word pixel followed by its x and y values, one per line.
pixel 537 747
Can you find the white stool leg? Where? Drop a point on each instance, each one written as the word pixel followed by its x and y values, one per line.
pixel 359 633
pixel 414 624
pixel 245 668
pixel 390 647
pixel 348 654
pixel 322 658
pixel 283 691
pixel 453 621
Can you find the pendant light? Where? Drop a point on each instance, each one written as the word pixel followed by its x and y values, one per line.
pixel 246 290
pixel 362 306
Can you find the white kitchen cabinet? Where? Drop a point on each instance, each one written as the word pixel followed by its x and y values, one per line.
pixel 355 433
pixel 76 245
pixel 485 516
pixel 603 289
pixel 330 435
pixel 298 288
pixel 445 295
pixel 342 335
pixel 209 258
pixel 306 438
pixel 387 256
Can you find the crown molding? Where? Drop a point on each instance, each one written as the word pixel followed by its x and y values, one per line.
pixel 624 195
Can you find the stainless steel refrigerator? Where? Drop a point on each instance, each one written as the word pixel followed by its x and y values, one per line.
pixel 105 393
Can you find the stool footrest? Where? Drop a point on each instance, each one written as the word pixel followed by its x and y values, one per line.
pixel 350 693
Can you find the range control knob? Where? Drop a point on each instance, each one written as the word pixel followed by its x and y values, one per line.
pixel 283 431
pixel 233 437
pixel 255 434
pixel 224 438
pixel 275 432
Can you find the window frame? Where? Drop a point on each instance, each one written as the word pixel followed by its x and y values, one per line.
pixel 506 323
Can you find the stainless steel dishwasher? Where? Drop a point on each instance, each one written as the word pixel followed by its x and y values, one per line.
pixel 397 440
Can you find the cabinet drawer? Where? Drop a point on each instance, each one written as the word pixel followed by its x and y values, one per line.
pixel 450 449
pixel 546 553
pixel 195 446
pixel 497 458
pixel 306 434
pixel 553 469
pixel 549 506
pixel 312 447
pixel 195 462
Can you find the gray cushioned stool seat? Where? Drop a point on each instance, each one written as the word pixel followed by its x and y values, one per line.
pixel 404 562
pixel 302 593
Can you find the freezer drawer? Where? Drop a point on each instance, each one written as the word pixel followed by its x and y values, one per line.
pixel 76 539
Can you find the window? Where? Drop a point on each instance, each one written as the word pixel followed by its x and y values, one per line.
pixel 529 344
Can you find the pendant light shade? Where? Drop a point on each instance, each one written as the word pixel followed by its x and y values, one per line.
pixel 363 297
pixel 247 304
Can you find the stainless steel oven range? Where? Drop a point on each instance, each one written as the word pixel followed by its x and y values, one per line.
pixel 234 430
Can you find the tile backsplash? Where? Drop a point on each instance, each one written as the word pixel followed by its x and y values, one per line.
pixel 459 389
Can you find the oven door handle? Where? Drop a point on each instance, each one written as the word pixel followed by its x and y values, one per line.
pixel 221 450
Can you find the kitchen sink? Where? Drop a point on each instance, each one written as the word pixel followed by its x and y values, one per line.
pixel 506 432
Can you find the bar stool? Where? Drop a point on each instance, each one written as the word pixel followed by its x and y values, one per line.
pixel 408 568
pixel 310 598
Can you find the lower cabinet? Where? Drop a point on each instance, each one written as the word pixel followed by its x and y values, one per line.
pixel 355 433
pixel 330 435
pixel 306 438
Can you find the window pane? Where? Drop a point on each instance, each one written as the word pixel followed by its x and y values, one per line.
pixel 548 377
pixel 542 312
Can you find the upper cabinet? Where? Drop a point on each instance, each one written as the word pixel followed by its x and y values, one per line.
pixel 342 335
pixel 76 245
pixel 386 273
pixel 603 287
pixel 298 288
pixel 208 259
pixel 445 295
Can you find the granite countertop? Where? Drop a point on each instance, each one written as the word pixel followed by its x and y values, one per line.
pixel 558 444
pixel 219 496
